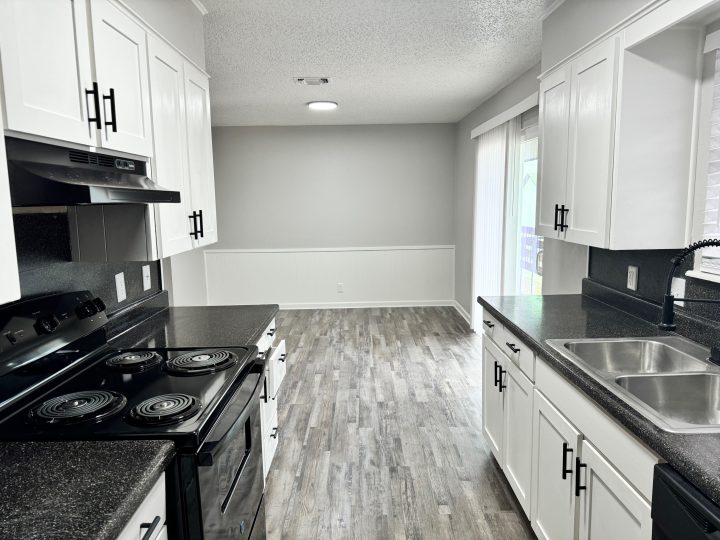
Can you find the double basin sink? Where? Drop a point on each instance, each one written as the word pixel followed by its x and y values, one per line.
pixel 666 379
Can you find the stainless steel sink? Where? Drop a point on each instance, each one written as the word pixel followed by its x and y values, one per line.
pixel 667 379
pixel 634 356
pixel 693 398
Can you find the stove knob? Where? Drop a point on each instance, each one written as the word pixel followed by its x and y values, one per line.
pixel 46 325
pixel 99 304
pixel 85 310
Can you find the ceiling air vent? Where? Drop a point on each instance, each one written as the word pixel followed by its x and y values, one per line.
pixel 312 81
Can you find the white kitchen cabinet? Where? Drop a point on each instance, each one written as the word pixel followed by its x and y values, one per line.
pixel 121 67
pixel 169 166
pixel 492 397
pixel 199 153
pixel 517 412
pixel 275 362
pixel 9 276
pixel 555 446
pixel 46 69
pixel 589 181
pixel 148 521
pixel 609 506
pixel 553 140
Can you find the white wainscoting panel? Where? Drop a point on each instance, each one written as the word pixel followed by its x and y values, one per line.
pixel 308 278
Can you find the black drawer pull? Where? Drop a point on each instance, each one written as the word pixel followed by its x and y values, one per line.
pixel 566 450
pixel 512 347
pixel 489 324
pixel 282 357
pixel 497 367
pixel 578 466
pixel 196 232
pixel 95 93
pixel 271 333
pixel 113 122
pixel 557 209
pixel 563 213
pixel 500 379
pixel 202 224
pixel 274 433
pixel 150 528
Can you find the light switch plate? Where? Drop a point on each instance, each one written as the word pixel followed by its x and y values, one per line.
pixel 632 278
pixel 147 280
pixel 678 290
pixel 120 286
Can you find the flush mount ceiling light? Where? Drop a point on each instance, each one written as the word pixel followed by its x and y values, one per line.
pixel 312 81
pixel 322 105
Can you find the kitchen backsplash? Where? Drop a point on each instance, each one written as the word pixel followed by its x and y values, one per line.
pixel 46 266
pixel 610 268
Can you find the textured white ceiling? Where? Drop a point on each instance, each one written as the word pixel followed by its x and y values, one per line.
pixel 389 61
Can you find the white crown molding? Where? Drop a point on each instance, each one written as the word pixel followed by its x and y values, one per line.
pixel 505 116
pixel 552 7
pixel 200 7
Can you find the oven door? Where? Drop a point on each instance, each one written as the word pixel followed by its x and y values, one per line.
pixel 230 471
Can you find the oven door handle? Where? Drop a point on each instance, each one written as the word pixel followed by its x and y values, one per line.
pixel 210 448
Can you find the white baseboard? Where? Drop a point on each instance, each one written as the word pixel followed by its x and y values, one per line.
pixel 461 310
pixel 361 305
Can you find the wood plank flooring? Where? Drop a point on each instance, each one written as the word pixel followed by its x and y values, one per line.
pixel 380 431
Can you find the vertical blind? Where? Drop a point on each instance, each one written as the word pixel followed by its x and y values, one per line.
pixel 489 205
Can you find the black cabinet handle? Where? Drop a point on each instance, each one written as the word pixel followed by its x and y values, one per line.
pixel 150 528
pixel 563 213
pixel 271 333
pixel 195 233
pixel 95 93
pixel 489 324
pixel 497 367
pixel 512 347
pixel 500 379
pixel 202 224
pixel 264 395
pixel 282 357
pixel 557 209
pixel 578 466
pixel 113 122
pixel 274 433
pixel 566 450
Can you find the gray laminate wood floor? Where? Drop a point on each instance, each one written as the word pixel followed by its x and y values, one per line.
pixel 380 423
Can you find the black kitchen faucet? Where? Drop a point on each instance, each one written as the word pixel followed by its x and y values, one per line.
pixel 668 309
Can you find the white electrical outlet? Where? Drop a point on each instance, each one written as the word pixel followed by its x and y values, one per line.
pixel 340 288
pixel 120 286
pixel 147 280
pixel 632 278
pixel 678 290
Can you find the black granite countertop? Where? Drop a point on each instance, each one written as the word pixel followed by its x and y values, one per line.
pixel 534 319
pixel 79 490
pixel 201 326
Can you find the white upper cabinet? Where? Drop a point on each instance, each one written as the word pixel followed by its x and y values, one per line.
pixel 169 163
pixel 121 67
pixel 616 143
pixel 9 276
pixel 200 158
pixel 46 69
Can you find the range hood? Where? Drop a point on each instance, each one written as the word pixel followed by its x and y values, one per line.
pixel 48 175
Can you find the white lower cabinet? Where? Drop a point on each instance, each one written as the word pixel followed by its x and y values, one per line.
pixel 148 521
pixel 609 506
pixel 275 367
pixel 577 474
pixel 554 449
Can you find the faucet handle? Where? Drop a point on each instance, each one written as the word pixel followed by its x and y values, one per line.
pixel 714 355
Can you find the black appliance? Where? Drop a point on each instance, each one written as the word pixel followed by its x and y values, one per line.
pixel 60 380
pixel 49 175
pixel 680 511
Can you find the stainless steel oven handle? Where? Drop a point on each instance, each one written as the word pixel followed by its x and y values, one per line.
pixel 209 448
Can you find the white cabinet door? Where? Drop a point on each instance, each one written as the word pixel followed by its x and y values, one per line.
pixel 609 506
pixel 121 69
pixel 590 161
pixel 200 159
pixel 169 167
pixel 555 446
pixel 46 69
pixel 493 421
pixel 518 412
pixel 554 124
pixel 9 277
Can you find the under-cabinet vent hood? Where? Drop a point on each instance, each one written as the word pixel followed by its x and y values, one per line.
pixel 48 175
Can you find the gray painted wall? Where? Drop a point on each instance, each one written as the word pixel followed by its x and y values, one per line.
pixel 334 186
pixel 178 21
pixel 464 195
pixel 577 22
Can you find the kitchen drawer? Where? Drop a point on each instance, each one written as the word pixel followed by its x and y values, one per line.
pixel 519 353
pixel 492 327
pixel 276 368
pixel 268 410
pixel 267 338
pixel 270 443
pixel 150 515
